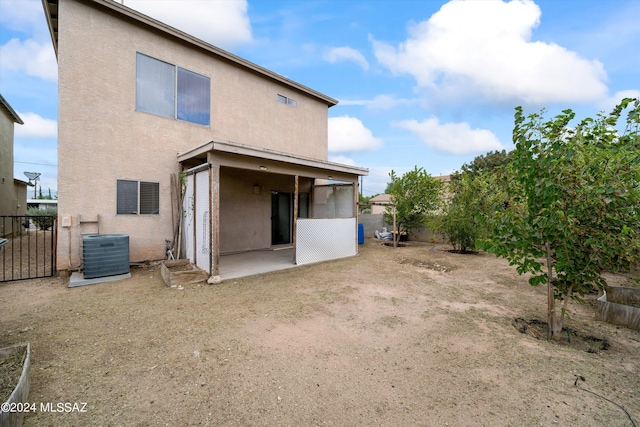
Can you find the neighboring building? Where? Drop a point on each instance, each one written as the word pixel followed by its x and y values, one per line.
pixel 42 203
pixel 446 179
pixel 140 101
pixel 13 192
pixel 379 203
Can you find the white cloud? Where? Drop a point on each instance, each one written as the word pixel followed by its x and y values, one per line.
pixel 346 53
pixel 23 15
pixel 377 180
pixel 343 160
pixel 26 154
pixel 387 102
pixel 36 126
pixel 609 103
pixel 482 48
pixel 29 57
pixel 355 102
pixel 348 134
pixel 223 23
pixel 381 102
pixel 454 138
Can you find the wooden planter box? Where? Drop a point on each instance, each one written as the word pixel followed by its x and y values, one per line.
pixel 181 272
pixel 20 394
pixel 611 306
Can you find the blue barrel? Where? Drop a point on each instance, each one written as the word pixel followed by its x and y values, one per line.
pixel 360 234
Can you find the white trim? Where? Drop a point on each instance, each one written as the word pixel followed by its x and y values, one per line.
pixel 264 153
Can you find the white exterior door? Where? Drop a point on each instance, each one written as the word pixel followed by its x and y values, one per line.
pixel 197 217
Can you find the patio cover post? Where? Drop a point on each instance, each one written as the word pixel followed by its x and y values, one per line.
pixel 215 215
pixel 356 191
pixel 295 217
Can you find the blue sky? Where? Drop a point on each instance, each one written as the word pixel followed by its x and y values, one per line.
pixel 426 83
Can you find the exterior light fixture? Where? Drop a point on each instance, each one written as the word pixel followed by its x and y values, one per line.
pixel 330 177
pixel 263 168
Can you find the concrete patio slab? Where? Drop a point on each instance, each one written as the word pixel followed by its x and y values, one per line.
pixel 233 266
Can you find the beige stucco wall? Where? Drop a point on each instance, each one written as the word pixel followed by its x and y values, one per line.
pixel 21 192
pixel 8 202
pixel 101 138
pixel 377 209
pixel 245 217
pixel 13 195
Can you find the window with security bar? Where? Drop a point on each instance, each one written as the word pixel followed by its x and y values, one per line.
pixel 137 198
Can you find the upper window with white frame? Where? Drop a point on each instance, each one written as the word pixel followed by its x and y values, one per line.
pixel 287 100
pixel 170 91
pixel 137 198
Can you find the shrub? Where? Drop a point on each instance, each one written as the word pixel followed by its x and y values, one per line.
pixel 416 195
pixel 460 228
pixel 474 199
pixel 42 218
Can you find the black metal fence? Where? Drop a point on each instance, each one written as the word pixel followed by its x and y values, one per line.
pixel 27 247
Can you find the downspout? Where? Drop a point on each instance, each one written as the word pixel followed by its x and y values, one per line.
pixel 69 245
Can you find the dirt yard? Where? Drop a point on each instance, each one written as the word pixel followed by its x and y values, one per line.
pixel 412 336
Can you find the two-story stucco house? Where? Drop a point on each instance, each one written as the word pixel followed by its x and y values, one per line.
pixel 13 192
pixel 140 101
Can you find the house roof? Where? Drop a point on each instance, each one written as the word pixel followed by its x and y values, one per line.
pixel 267 154
pixel 6 107
pixel 21 182
pixel 381 198
pixel 137 18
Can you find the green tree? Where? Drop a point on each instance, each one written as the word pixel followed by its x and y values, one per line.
pixel 575 203
pixel 43 197
pixel 486 162
pixel 474 194
pixel 474 198
pixel 363 200
pixel 415 195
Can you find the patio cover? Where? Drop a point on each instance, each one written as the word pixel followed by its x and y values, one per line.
pixel 233 154
pixel 218 153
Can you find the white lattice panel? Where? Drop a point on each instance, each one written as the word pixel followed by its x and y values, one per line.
pixel 325 239
pixel 188 220
pixel 202 224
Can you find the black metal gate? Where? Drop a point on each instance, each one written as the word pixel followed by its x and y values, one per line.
pixel 27 247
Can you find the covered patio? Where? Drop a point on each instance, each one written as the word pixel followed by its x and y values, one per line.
pixel 243 205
